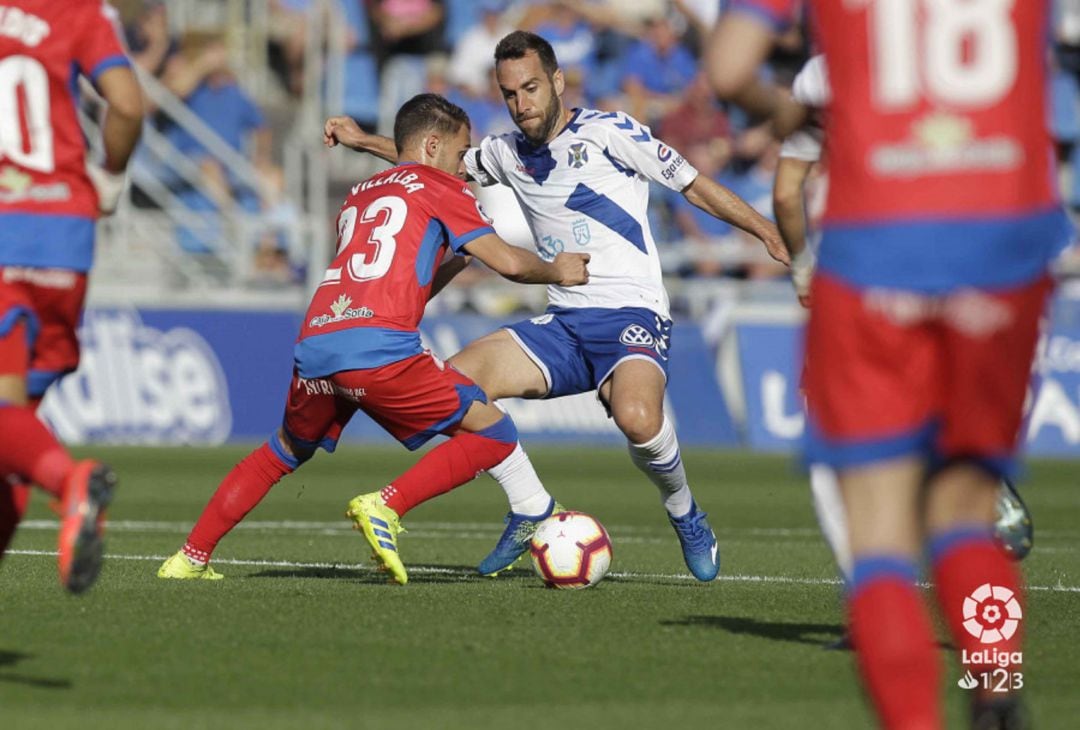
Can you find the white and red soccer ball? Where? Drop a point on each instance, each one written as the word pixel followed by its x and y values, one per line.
pixel 570 550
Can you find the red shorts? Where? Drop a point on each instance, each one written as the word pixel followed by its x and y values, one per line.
pixel 414 399
pixel 892 373
pixel 49 303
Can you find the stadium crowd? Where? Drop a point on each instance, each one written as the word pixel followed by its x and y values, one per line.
pixel 644 58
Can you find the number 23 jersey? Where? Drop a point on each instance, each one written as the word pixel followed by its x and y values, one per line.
pixel 393 232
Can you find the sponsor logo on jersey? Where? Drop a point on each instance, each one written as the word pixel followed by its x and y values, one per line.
pixel 943 143
pixel 16 186
pixel 139 384
pixel 669 171
pixel 582 234
pixel 549 247
pixel 578 155
pixel 637 336
pixel 22 26
pixel 663 152
pixel 342 312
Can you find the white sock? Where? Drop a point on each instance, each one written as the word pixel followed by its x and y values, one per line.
pixel 515 474
pixel 830 513
pixel 660 460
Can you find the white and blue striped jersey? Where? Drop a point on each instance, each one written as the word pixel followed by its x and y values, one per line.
pixel 587 191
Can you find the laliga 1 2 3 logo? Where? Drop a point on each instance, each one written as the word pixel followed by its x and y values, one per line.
pixel 992 613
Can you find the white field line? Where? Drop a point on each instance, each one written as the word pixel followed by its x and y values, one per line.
pixel 466 575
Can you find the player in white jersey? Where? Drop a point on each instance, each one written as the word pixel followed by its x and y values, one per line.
pixel 581 177
pixel 800 152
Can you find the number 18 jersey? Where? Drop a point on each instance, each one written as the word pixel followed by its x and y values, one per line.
pixel 393 232
pixel 47 203
pixel 942 173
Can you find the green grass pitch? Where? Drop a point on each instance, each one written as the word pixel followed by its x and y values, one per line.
pixel 303 634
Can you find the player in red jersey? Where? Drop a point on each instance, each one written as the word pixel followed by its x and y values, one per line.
pixel 359 346
pixel 942 219
pixel 49 201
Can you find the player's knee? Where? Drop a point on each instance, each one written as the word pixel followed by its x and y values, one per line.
pixel 290 450
pixel 638 421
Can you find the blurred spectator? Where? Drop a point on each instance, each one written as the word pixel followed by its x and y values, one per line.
pixel 361 70
pixel 404 33
pixel 697 117
pixel 288 41
pixel 473 59
pixel 700 230
pixel 656 72
pixel 146 30
pixel 200 75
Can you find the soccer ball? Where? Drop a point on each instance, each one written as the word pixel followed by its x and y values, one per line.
pixel 570 550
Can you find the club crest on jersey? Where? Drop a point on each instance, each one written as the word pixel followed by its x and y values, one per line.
pixel 577 155
pixel 663 152
pixel 582 234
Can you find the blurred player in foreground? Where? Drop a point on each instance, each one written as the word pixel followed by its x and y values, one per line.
pixel 800 153
pixel 49 201
pixel 581 177
pixel 941 223
pixel 359 347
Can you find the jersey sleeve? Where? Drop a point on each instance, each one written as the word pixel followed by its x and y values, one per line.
pixel 482 163
pixel 631 145
pixel 462 217
pixel 803 144
pixel 776 15
pixel 99 47
pixel 811 85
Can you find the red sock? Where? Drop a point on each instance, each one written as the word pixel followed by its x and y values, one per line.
pixel 448 465
pixel 31 450
pixel 242 489
pixel 894 647
pixel 13 500
pixel 963 561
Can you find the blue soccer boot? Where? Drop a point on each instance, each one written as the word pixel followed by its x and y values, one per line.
pixel 698 543
pixel 515 540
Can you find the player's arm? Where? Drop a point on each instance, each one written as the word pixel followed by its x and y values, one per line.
pixel 120 130
pixel 345 131
pixel 446 272
pixel 718 201
pixel 525 267
pixel 789 206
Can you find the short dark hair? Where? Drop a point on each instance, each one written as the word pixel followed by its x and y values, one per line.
pixel 517 44
pixel 427 113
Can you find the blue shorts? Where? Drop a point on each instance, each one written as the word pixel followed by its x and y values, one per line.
pixel 577 349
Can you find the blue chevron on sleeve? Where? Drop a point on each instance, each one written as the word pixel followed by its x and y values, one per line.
pixel 643 137
pixel 625 124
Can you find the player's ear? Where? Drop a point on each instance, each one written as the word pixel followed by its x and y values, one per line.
pixel 558 81
pixel 432 143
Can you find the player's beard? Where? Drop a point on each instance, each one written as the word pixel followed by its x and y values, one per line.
pixel 552 117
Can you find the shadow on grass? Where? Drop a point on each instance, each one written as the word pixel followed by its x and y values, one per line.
pixel 827 636
pixel 11 658
pixel 371 576
pixel 800 633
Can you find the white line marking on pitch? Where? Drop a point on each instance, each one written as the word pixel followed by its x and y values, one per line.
pixel 430 570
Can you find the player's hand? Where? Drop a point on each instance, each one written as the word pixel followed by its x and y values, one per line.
pixel 343 130
pixel 774 244
pixel 109 186
pixel 802 271
pixel 572 268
